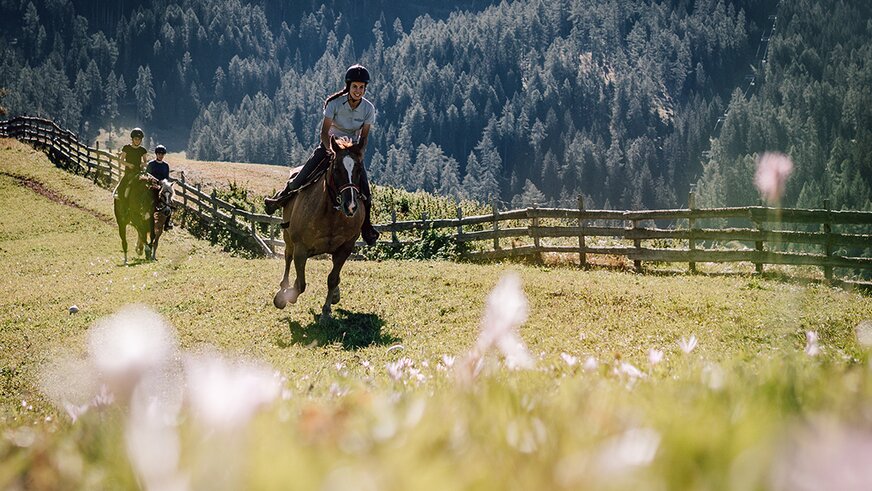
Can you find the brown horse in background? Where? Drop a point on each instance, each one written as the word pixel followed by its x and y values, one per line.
pixel 137 207
pixel 313 225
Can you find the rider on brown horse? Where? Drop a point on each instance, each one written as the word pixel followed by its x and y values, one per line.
pixel 132 157
pixel 346 114
pixel 160 170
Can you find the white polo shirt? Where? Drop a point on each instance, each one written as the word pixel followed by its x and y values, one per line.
pixel 348 121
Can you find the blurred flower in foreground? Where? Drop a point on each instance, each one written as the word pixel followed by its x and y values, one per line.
pixel 125 346
pixel 225 394
pixel 864 334
pixel 812 348
pixel 773 169
pixel 569 359
pixel 403 369
pixel 825 455
pixel 655 356
pixel 633 448
pixel 687 344
pixel 504 312
pixel 590 364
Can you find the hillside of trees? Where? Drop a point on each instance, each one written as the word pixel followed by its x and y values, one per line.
pixel 513 102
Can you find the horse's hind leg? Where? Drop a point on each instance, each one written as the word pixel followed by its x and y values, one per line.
pixel 339 258
pixel 122 232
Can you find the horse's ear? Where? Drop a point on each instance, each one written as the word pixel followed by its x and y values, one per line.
pixel 333 145
pixel 357 149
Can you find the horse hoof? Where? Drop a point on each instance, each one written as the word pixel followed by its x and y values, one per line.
pixel 325 318
pixel 284 297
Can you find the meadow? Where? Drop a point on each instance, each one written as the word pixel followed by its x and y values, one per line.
pixel 596 379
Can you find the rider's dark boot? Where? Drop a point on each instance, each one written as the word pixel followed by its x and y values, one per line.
pixel 169 224
pixel 281 198
pixel 367 232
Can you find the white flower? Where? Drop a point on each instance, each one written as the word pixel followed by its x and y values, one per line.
pixel 812 348
pixel 655 356
pixel 448 361
pixel 125 346
pixel 569 359
pixel 631 449
pixel 687 344
pixel 629 370
pixel 590 364
pixel 225 395
pixel 864 333
pixel 773 169
pixel 506 309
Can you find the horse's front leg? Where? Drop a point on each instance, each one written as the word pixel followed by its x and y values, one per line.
pixel 339 258
pixel 286 293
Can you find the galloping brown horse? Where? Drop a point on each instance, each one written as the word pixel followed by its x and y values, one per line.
pixel 313 225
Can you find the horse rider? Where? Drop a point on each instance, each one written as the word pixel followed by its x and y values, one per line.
pixel 347 114
pixel 160 170
pixel 132 157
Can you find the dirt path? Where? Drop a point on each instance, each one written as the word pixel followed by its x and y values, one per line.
pixel 39 188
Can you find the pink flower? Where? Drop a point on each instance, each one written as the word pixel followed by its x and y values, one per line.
pixel 569 359
pixel 504 313
pixel 812 348
pixel 773 169
pixel 655 356
pixel 687 345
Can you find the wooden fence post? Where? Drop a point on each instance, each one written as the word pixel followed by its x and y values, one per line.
pixel 394 239
pixel 459 224
pixel 496 225
pixel 214 197
pixel 637 244
pixel 582 256
pixel 98 171
pixel 184 198
pixel 828 247
pixel 758 245
pixel 691 225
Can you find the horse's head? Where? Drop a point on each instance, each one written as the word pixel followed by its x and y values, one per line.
pixel 345 173
pixel 166 192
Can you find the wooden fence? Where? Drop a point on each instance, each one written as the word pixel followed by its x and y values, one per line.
pixel 825 238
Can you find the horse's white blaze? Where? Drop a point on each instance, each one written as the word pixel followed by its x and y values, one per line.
pixel 348 162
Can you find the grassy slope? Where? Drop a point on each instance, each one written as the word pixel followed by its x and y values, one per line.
pixel 53 256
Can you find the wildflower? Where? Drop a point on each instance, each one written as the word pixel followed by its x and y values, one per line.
pixel 773 169
pixel 569 359
pixel 505 311
pixel 655 356
pixel 226 395
pixel 629 370
pixel 633 448
pixel 812 348
pixel 590 364
pixel 448 361
pixel 864 333
pixel 825 454
pixel 687 344
pixel 125 346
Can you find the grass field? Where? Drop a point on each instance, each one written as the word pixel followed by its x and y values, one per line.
pixel 379 399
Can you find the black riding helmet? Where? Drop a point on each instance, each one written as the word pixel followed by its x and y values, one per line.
pixel 357 73
pixel 160 149
pixel 137 133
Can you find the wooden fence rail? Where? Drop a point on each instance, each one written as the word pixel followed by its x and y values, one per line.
pixel 843 238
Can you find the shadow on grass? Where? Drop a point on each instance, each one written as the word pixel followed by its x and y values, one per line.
pixel 351 329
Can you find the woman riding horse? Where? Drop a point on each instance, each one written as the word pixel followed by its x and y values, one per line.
pixel 346 114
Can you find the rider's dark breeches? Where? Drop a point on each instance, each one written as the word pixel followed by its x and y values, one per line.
pixel 318 159
pixel 124 183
